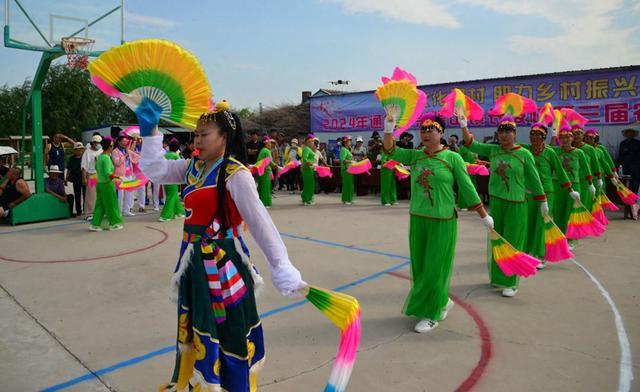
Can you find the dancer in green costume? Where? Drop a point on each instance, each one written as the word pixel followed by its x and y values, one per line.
pixel 106 199
pixel 513 171
pixel 433 218
pixel 346 159
pixel 388 188
pixel 173 207
pixel 550 170
pixel 264 181
pixel 308 170
pixel 578 172
pixel 586 194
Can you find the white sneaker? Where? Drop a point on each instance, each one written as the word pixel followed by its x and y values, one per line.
pixel 89 217
pixel 95 228
pixel 115 227
pixel 540 266
pixel 161 219
pixel 348 203
pixel 180 216
pixel 395 203
pixel 387 205
pixel 425 325
pixel 510 292
pixel 156 208
pixel 128 213
pixel 450 304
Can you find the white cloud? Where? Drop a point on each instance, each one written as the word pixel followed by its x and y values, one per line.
pixel 149 21
pixel 586 32
pixel 423 12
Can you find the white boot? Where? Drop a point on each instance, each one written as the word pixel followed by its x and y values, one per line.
pixel 425 325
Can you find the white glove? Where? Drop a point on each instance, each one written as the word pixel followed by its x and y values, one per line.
pixel 544 208
pixel 592 189
pixel 462 119
pixel 389 124
pixel 600 183
pixel 554 131
pixel 487 221
pixel 574 195
pixel 287 279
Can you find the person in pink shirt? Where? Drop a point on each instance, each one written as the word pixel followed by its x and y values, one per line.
pixel 123 169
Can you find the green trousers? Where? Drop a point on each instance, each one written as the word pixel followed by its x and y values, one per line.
pixel 388 193
pixel 510 220
pixel 562 207
pixel 172 206
pixel 432 245
pixel 264 188
pixel 585 195
pixel 106 204
pixel 347 186
pixel 308 185
pixel 535 223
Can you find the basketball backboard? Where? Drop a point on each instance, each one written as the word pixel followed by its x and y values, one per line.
pixel 40 25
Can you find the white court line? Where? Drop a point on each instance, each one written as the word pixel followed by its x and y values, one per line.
pixel 626 369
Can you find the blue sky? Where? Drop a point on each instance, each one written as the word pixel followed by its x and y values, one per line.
pixel 270 51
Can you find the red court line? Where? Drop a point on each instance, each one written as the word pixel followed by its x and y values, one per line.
pixel 485 337
pixel 123 253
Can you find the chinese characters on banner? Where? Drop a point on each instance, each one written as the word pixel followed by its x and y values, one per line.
pixel 605 97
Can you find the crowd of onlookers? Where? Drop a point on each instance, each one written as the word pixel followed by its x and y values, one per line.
pixel 79 169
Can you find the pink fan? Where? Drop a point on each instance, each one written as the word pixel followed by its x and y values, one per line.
pixel 514 105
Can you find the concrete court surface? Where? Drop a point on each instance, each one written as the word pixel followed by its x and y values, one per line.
pixel 75 317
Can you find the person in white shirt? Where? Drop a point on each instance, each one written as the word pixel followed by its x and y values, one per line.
pixel 88 166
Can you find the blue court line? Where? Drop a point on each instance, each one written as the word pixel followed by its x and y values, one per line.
pixel 169 349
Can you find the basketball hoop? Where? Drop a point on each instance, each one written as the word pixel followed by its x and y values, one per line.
pixel 77 50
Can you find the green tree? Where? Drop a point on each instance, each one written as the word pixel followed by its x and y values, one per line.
pixel 70 103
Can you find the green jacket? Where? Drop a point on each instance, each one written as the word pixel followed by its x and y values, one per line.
pixel 512 172
pixel 432 180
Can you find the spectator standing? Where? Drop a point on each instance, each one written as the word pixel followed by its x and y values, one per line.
pixel 254 145
pixel 74 175
pixel 405 141
pixel 88 165
pixel 359 151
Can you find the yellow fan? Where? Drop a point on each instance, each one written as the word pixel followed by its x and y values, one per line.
pixel 159 70
pixel 402 100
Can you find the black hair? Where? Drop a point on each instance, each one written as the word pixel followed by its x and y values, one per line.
pixel 105 144
pixel 456 136
pixel 231 128
pixel 174 146
pixel 116 144
pixel 96 134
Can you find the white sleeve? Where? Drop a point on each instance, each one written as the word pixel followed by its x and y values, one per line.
pixel 83 161
pixel 284 275
pixel 158 169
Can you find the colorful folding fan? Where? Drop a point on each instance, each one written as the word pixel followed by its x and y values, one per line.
pixel 627 197
pixel 477 170
pixel 510 260
pixel 546 114
pixel 344 311
pixel 574 118
pixel 514 105
pixel 158 70
pixel 606 203
pixel 360 167
pixel 324 171
pixel 401 172
pixel 260 166
pixel 456 101
pixel 555 243
pixel 582 224
pixel 401 99
pixel 289 166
